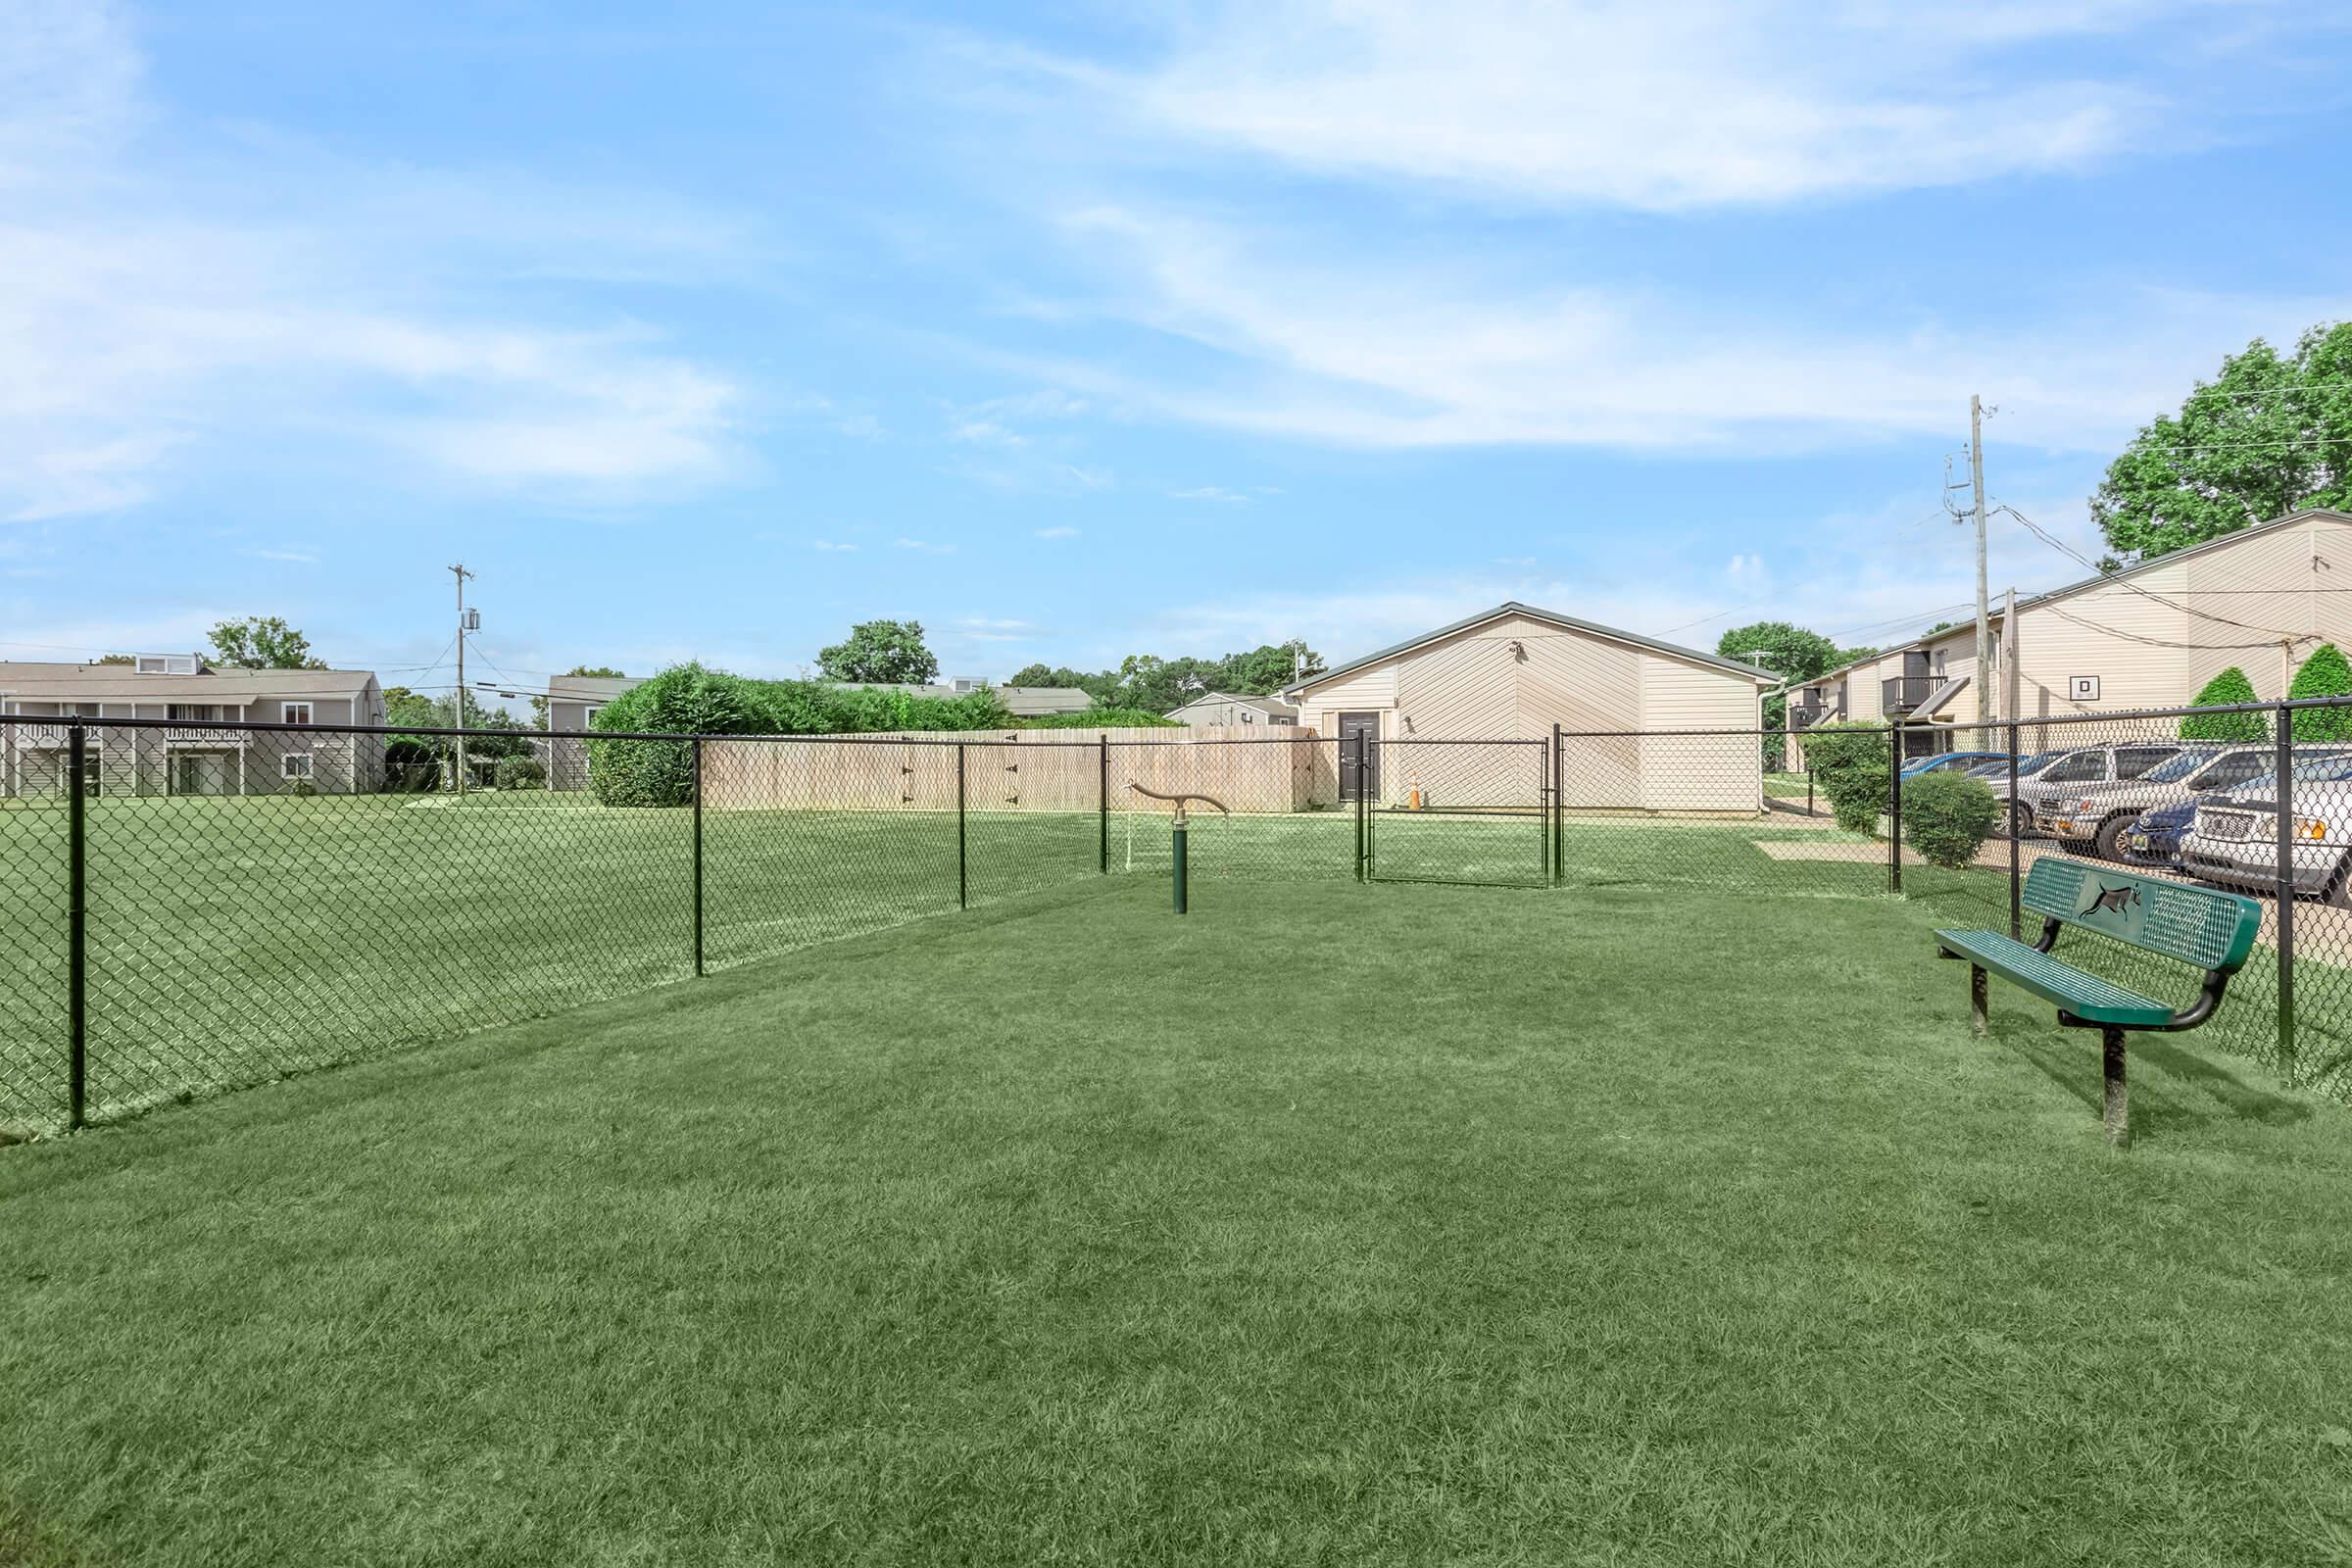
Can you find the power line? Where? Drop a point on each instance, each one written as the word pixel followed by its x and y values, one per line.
pixel 2064 549
pixel 2161 642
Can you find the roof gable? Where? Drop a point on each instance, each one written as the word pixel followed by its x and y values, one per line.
pixel 1512 607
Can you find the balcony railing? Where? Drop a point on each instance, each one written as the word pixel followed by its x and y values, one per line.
pixel 1809 715
pixel 42 737
pixel 1903 692
pixel 174 735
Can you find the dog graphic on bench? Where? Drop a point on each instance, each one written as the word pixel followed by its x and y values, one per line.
pixel 2116 900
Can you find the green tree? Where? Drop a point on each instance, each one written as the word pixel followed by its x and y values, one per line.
pixel 1792 653
pixel 1854 656
pixel 2323 674
pixel 114 659
pixel 2229 686
pixel 2270 433
pixel 261 642
pixel 887 652
pixel 1269 668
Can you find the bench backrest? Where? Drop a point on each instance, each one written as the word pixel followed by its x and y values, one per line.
pixel 2203 926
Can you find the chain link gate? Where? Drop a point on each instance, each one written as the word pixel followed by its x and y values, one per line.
pixel 1467 811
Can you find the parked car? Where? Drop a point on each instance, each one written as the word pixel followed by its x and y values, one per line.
pixel 2094 817
pixel 2235 838
pixel 2111 763
pixel 2155 835
pixel 2100 815
pixel 1996 774
pixel 1953 762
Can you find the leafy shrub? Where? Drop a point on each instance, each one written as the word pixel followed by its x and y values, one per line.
pixel 2323 674
pixel 412 765
pixel 1853 765
pixel 1102 718
pixel 690 700
pixel 521 773
pixel 2229 686
pixel 1947 817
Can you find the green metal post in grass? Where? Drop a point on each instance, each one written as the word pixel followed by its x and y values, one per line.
pixel 963 885
pixel 697 855
pixel 1180 861
pixel 1559 809
pixel 2016 912
pixel 2284 761
pixel 76 923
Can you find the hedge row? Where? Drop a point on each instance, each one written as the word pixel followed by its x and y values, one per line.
pixel 691 700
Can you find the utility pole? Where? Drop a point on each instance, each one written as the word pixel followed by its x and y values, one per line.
pixel 2010 688
pixel 1975 474
pixel 462 574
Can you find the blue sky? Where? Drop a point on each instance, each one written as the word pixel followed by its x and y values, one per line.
pixel 1076 330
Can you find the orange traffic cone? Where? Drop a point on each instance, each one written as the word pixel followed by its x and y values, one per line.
pixel 1412 794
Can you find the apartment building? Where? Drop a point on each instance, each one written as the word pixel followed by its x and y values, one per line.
pixel 2148 636
pixel 160 758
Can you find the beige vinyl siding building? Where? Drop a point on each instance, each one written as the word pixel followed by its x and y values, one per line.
pixel 1513 672
pixel 2150 636
pixel 1212 709
pixel 181 689
pixel 571 701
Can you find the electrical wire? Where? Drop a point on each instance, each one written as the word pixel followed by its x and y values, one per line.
pixel 2162 641
pixel 2120 582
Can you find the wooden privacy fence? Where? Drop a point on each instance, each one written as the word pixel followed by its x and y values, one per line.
pixel 1022 770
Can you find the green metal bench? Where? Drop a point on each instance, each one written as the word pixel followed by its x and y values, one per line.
pixel 2206 929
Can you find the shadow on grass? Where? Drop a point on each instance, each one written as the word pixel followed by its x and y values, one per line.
pixel 2192 1090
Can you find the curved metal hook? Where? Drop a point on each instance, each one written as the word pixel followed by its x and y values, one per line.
pixel 1180 800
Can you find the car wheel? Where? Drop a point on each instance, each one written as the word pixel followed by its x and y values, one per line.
pixel 2110 839
pixel 2021 820
pixel 2338 893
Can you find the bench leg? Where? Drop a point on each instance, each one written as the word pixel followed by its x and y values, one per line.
pixel 2118 1114
pixel 1976 1020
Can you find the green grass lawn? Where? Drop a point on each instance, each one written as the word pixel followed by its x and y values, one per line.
pixel 236 940
pixel 1331 1225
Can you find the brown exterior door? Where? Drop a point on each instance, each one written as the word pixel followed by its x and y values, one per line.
pixel 1359 734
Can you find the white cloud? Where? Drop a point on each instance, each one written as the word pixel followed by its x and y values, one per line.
pixel 1358 351
pixel 1212 493
pixel 831 544
pixel 1651 104
pixel 982 629
pixel 929 547
pixel 304 558
pixel 136 322
pixel 1062 531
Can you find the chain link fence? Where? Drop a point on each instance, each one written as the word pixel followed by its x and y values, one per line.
pixel 220 904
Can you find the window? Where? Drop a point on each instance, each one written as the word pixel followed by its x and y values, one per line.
pixel 192 712
pixel 588 716
pixel 87 710
pixel 294 764
pixel 295 713
pixel 2240 768
pixel 2133 760
pixel 1248 717
pixel 2077 769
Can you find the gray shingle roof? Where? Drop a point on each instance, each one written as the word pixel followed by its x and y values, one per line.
pixel 120 683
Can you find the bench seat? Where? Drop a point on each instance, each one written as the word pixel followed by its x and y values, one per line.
pixel 2084 996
